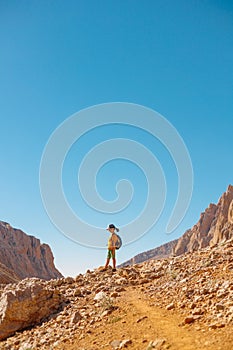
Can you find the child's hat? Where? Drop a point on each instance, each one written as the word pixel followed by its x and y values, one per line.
pixel 110 226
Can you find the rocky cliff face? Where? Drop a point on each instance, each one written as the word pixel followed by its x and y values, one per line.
pixel 24 256
pixel 215 225
pixel 160 252
pixel 7 275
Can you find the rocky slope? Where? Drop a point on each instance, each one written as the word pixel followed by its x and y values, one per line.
pixel 24 256
pixel 190 295
pixel 163 251
pixel 215 225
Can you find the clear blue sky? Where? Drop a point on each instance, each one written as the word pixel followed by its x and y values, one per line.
pixel 58 57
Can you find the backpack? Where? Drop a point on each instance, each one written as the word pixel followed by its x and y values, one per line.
pixel 119 242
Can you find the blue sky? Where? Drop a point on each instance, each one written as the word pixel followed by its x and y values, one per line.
pixel 59 57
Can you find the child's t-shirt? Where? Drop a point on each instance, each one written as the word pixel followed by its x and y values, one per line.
pixel 112 241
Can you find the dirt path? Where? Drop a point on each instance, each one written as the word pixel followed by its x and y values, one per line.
pixel 141 322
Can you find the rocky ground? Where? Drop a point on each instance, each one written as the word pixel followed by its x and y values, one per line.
pixel 183 302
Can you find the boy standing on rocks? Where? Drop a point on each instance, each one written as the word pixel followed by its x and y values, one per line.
pixel 112 241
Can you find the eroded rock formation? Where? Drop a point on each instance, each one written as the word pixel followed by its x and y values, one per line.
pixel 24 256
pixel 215 225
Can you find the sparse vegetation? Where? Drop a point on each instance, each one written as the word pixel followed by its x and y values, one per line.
pixel 115 319
pixel 172 273
pixel 106 303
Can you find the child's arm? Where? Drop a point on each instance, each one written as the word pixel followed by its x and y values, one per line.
pixel 114 241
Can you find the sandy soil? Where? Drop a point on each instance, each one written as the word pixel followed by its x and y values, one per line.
pixel 136 318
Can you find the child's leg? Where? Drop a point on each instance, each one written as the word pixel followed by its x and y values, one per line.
pixel 108 258
pixel 114 263
pixel 107 263
pixel 114 258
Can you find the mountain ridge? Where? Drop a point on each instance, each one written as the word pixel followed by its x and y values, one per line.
pixel 163 251
pixel 214 226
pixel 23 256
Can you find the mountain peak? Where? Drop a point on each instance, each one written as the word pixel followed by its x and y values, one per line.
pixel 215 225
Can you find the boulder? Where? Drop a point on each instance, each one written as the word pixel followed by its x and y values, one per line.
pixel 26 304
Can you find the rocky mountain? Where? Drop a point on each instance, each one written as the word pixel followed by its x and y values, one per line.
pixel 215 225
pixel 24 256
pixel 181 302
pixel 163 251
pixel 7 275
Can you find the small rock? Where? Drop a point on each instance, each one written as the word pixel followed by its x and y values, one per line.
pixel 59 318
pixel 120 289
pixel 216 325
pixel 114 295
pixel 189 319
pixel 156 344
pixel 144 281
pixel 125 343
pixel 69 280
pixel 170 306
pixel 77 293
pixel 141 319
pixel 100 296
pixel 184 280
pixel 106 313
pixel 75 317
pixel 25 346
pixel 115 344
pixel 196 312
pixel 219 307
